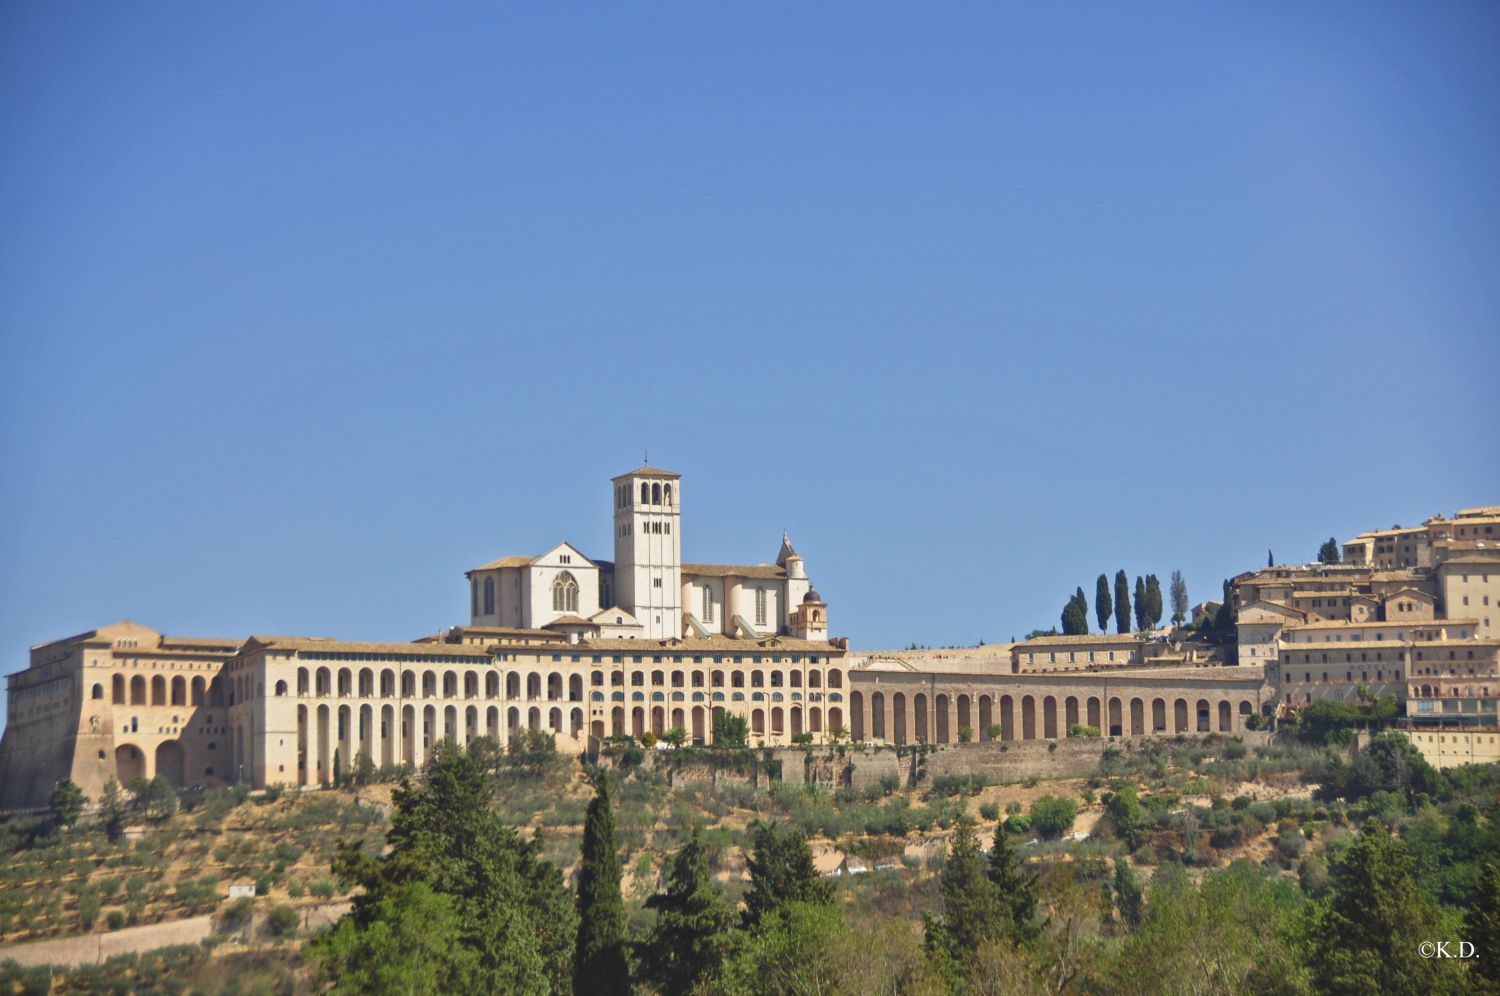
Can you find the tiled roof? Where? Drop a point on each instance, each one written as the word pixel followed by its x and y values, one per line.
pixel 734 570
pixel 647 472
pixel 512 561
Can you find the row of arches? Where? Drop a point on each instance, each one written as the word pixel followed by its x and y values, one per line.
pixel 159 691
pixel 367 683
pixel 919 717
pixel 133 761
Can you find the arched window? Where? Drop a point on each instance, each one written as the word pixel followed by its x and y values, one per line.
pixel 667 495
pixel 565 593
pixel 98 691
pixel 708 603
pixel 281 688
pixel 656 494
pixel 645 493
pixel 489 596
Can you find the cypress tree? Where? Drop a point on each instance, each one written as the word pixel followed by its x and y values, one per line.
pixel 1103 608
pixel 1122 603
pixel 1083 612
pixel 1328 553
pixel 1153 601
pixel 1140 602
pixel 972 909
pixel 781 872
pixel 694 926
pixel 1016 885
pixel 599 964
pixel 1128 896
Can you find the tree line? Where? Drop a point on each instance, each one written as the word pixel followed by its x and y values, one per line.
pixel 1117 603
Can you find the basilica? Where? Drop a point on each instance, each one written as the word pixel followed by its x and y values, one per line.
pixel 578 647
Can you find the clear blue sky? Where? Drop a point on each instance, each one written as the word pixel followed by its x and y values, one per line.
pixel 307 308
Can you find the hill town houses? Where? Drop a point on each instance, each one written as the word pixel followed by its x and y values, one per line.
pixel 586 649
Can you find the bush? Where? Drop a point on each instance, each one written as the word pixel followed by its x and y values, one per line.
pixel 114 919
pixel 965 734
pixel 282 921
pixel 1053 816
pixel 1077 730
pixel 994 731
pixel 990 810
pixel 1017 824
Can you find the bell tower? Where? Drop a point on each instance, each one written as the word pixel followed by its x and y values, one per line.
pixel 648 550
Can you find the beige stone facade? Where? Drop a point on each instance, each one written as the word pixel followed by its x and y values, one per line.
pixel 902 701
pixel 1450 748
pixel 554 646
pixel 119 701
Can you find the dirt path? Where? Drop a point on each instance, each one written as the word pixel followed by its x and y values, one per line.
pixel 92 949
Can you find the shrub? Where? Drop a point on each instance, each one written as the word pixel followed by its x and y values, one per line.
pixel 965 734
pixel 322 889
pixel 1078 730
pixel 994 731
pixel 990 810
pixel 114 919
pixel 1017 824
pixel 1053 816
pixel 282 921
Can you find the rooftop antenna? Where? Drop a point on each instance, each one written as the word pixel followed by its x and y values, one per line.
pixel 645 458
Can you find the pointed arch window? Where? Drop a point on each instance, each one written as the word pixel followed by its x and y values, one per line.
pixel 656 494
pixel 667 495
pixel 645 493
pixel 565 593
pixel 708 604
pixel 489 596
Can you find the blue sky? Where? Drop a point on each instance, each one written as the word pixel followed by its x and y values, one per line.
pixel 305 309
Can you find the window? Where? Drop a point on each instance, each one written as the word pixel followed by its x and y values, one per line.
pixel 760 606
pixel 708 604
pixel 564 593
pixel 656 582
pixel 489 596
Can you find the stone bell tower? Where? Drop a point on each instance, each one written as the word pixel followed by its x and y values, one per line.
pixel 648 550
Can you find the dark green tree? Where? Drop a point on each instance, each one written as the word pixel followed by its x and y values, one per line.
pixel 1224 618
pixel 1153 601
pixel 1482 926
pixel 973 911
pixel 66 800
pixel 112 810
pixel 1179 595
pixel 414 944
pixel 1017 886
pixel 599 963
pixel 1103 605
pixel 513 919
pixel 1270 559
pixel 1122 603
pixel 1328 553
pixel 1128 898
pixel 1142 610
pixel 1075 621
pixel 730 730
pixel 694 931
pixel 1366 940
pixel 1083 609
pixel 781 872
